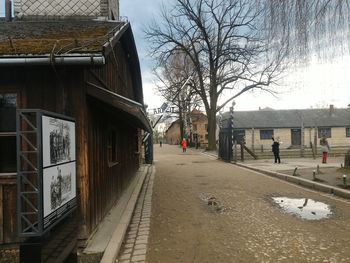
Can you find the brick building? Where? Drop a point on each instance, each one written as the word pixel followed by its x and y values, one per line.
pixel 199 129
pixel 293 127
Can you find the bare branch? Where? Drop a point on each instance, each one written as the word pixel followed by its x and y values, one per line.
pixel 223 42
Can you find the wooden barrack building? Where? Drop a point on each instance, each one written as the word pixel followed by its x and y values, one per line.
pixel 87 70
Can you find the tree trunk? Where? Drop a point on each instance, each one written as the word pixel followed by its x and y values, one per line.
pixel 211 129
pixel 182 132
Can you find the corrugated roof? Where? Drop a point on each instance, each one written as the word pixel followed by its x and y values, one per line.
pixel 20 38
pixel 289 118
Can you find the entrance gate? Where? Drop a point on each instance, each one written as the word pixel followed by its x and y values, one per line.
pixel 225 145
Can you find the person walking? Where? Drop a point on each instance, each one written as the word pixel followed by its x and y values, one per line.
pixel 276 150
pixel 184 145
pixel 324 149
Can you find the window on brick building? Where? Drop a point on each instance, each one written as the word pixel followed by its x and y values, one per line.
pixel 266 134
pixel 324 132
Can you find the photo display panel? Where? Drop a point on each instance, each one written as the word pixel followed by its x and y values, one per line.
pixel 59 168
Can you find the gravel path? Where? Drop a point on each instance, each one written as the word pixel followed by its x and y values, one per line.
pixel 204 210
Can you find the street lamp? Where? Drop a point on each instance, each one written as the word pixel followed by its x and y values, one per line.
pixel 232 134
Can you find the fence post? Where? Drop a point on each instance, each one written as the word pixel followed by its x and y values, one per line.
pixel 232 133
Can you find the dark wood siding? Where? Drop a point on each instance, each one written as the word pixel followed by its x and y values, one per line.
pixel 107 181
pixel 116 75
pixel 63 90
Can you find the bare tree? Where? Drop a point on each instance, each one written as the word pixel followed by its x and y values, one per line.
pixel 173 84
pixel 319 27
pixel 223 40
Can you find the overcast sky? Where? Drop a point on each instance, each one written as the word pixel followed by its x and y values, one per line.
pixel 318 86
pixel 2 8
pixel 322 84
pixel 140 13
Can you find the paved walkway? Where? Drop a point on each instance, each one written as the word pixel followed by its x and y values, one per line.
pixel 244 229
pixel 134 247
pixel 291 163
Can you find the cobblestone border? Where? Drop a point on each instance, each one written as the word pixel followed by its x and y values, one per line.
pixel 134 247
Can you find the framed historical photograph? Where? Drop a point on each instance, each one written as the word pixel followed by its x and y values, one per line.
pixel 58 140
pixel 53 191
pixel 59 190
pixel 59 167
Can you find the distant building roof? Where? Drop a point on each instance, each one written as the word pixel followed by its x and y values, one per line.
pixel 21 38
pixel 172 125
pixel 288 118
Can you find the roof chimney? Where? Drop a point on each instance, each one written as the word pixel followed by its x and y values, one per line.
pixel 8 11
pixel 331 109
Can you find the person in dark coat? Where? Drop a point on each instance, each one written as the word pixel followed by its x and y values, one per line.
pixel 276 150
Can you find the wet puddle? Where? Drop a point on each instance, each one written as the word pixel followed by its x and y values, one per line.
pixel 304 208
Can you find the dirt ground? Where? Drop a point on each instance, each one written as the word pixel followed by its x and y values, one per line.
pixel 326 175
pixel 205 211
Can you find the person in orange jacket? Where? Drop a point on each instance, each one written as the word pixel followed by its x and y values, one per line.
pixel 184 145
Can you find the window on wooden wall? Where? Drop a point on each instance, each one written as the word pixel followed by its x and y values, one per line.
pixel 266 134
pixel 195 127
pixel 8 105
pixel 112 148
pixel 347 132
pixel 324 132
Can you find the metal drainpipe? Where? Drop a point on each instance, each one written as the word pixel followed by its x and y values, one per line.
pixel 67 60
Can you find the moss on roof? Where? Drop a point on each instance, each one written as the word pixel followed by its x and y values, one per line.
pixel 56 37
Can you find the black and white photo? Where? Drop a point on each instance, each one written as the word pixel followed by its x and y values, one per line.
pixel 58 141
pixel 59 184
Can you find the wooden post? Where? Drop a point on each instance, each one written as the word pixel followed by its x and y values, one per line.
pixel 253 138
pixel 233 141
pixel 82 137
pixel 302 138
pixel 315 140
pixel 235 149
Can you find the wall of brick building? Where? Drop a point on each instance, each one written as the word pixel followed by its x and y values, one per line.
pixel 338 138
pixel 201 130
pixel 172 135
pixel 199 126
